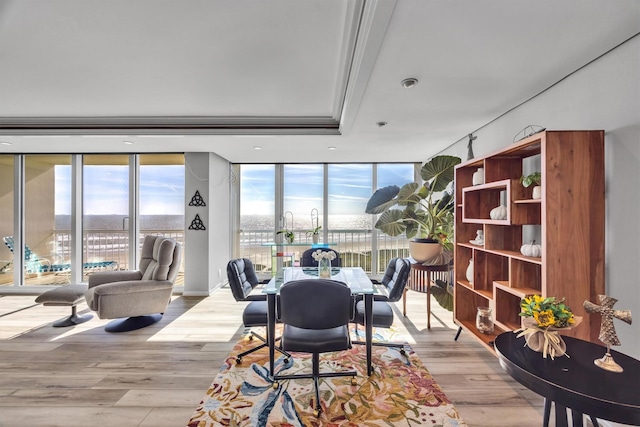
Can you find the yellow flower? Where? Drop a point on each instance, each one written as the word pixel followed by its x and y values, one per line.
pixel 544 318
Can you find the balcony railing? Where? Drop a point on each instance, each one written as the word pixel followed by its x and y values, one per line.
pixel 98 246
pixel 354 246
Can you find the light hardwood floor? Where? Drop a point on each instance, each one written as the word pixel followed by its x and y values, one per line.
pixel 84 376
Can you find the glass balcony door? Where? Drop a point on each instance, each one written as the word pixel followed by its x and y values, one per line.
pixel 105 217
pixel 162 198
pixel 47 205
pixel 7 195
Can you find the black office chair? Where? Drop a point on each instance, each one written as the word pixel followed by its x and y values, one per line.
pixel 242 280
pixel 394 280
pixel 316 316
pixel 306 260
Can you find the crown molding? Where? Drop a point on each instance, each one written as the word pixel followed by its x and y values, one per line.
pixel 155 125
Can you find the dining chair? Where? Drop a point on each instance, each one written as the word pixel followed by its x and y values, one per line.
pixel 316 316
pixel 242 280
pixel 394 281
pixel 306 259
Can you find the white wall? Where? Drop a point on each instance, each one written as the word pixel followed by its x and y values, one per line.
pixel 207 251
pixel 603 95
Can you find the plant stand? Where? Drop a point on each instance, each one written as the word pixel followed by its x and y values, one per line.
pixel 420 280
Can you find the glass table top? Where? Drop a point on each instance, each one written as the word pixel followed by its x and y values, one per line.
pixel 354 277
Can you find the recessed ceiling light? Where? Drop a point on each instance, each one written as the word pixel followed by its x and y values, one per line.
pixel 128 142
pixel 409 83
pixel 332 148
pixel 257 147
pixel 381 124
pixel 5 143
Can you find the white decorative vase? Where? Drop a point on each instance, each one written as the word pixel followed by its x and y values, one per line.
pixel 422 252
pixel 478 177
pixel 537 192
pixel 315 239
pixel 469 272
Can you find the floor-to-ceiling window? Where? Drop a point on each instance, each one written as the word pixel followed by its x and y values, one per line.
pixel 6 216
pixel 257 214
pixel 105 213
pixel 162 197
pixel 47 203
pixel 299 197
pixel 113 187
pixel 302 199
pixel 349 188
pixel 390 247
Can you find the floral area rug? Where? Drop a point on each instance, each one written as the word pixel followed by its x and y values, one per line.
pixel 401 392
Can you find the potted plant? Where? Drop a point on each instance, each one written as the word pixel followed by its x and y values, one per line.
pixel 424 212
pixel 287 235
pixel 314 234
pixel 534 179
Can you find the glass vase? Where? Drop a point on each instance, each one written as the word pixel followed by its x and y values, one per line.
pixel 324 269
pixel 484 320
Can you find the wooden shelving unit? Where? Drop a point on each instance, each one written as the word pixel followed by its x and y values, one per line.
pixel 568 221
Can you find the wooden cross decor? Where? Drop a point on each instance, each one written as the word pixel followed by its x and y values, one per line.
pixel 607 330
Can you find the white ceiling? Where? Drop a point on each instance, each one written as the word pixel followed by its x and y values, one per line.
pixel 293 77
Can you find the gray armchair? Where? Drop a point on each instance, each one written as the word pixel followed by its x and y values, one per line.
pixel 140 296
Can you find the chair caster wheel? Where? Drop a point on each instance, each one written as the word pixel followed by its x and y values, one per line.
pixel 317 412
pixel 275 385
pixel 250 337
pixel 286 360
pixel 353 381
pixel 402 352
pixel 238 360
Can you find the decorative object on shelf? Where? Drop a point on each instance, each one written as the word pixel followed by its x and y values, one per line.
pixel 542 319
pixel 607 330
pixel 499 212
pixel 470 146
pixel 484 320
pixel 197 200
pixel 478 177
pixel 197 224
pixel 315 233
pixel 469 272
pixel 528 131
pixel 534 179
pixel 324 259
pixel 288 234
pixel 479 240
pixel 415 211
pixel 531 249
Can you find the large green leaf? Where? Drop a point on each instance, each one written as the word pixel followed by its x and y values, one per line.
pixel 390 222
pixel 439 171
pixel 382 199
pixel 407 194
pixel 442 294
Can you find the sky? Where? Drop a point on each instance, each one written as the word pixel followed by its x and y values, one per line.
pixel 106 188
pixel 349 188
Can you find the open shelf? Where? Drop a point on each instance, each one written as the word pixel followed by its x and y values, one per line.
pixel 567 221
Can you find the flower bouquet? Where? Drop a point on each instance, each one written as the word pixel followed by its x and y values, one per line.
pixel 542 319
pixel 324 259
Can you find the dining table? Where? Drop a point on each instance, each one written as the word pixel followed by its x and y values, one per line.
pixel 354 277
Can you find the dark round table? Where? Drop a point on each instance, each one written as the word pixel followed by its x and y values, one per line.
pixel 575 382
